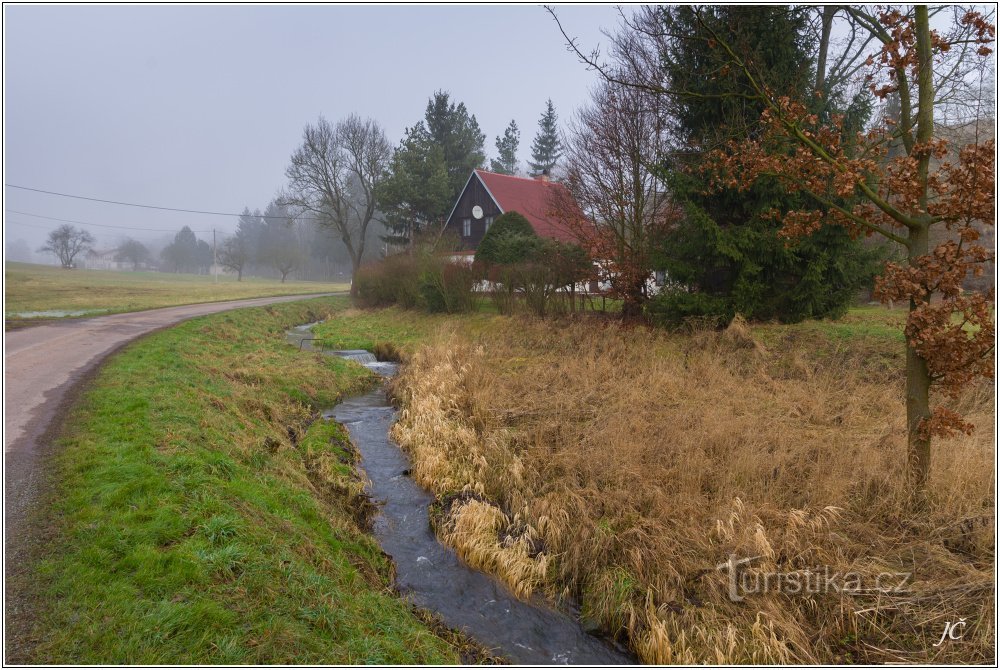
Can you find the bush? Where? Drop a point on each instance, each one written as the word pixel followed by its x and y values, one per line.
pixel 447 287
pixel 418 280
pixel 675 308
pixel 533 268
pixel 391 281
pixel 509 240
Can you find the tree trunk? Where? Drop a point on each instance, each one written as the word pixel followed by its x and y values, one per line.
pixel 918 384
pixel 918 409
pixel 632 303
pixel 355 266
pixel 824 47
pixel 918 381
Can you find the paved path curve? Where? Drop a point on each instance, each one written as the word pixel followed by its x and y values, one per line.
pixel 43 366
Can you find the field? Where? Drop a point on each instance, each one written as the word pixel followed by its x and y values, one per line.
pixel 51 290
pixel 691 493
pixel 206 517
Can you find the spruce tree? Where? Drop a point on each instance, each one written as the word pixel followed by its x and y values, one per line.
pixel 546 149
pixel 725 250
pixel 506 162
pixel 429 169
pixel 457 132
pixel 417 194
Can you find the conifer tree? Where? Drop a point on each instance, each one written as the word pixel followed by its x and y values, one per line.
pixel 725 250
pixel 506 163
pixel 429 169
pixel 457 132
pixel 546 149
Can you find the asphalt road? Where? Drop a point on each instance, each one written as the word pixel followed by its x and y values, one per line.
pixel 44 367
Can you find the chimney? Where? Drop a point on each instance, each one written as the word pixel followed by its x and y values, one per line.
pixel 543 176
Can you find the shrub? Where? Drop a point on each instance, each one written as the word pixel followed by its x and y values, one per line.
pixel 391 281
pixel 675 308
pixel 418 280
pixel 507 241
pixel 535 269
pixel 447 287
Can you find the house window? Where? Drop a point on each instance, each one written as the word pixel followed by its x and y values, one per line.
pixel 466 227
pixel 489 222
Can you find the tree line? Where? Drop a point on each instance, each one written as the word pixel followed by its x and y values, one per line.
pixel 344 177
pixel 347 176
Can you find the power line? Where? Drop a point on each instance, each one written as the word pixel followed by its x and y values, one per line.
pixel 99 225
pixel 133 204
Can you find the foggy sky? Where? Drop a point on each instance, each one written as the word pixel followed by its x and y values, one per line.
pixel 200 107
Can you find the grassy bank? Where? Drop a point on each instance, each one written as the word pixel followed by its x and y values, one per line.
pixel 201 515
pixel 44 288
pixel 621 467
pixel 402 330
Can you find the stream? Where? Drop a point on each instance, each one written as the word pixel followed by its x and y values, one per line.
pixel 431 575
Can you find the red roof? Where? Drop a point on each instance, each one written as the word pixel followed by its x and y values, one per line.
pixel 534 198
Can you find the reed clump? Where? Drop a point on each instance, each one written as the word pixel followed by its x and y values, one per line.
pixel 676 486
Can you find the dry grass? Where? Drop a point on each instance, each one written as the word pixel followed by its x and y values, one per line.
pixel 621 468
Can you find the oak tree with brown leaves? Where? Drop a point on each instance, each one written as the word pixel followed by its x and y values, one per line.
pixel 900 196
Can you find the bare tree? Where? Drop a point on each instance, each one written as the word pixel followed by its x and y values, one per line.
pixel 611 153
pixel 66 242
pixel 234 254
pixel 132 251
pixel 334 175
pixel 279 243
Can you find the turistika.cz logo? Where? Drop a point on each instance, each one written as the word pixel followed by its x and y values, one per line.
pixel 823 579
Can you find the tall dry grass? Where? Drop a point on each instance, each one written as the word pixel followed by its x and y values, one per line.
pixel 632 471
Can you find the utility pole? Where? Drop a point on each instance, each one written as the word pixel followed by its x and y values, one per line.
pixel 215 260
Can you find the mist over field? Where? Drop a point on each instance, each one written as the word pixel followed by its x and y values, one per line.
pixel 201 107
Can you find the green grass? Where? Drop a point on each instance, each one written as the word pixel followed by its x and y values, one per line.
pixel 203 515
pixel 404 329
pixel 875 324
pixel 42 288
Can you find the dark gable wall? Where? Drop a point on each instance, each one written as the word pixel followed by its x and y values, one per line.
pixel 474 194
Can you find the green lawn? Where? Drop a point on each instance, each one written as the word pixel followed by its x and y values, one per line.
pixel 874 323
pixel 44 288
pixel 400 328
pixel 203 515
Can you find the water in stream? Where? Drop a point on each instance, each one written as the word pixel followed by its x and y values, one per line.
pixel 430 574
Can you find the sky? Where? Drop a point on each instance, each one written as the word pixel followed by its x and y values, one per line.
pixel 200 107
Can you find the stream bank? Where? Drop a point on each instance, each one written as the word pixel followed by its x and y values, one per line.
pixel 430 575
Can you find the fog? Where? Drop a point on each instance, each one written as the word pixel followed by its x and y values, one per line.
pixel 197 107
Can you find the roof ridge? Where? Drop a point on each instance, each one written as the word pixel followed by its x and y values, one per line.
pixel 512 176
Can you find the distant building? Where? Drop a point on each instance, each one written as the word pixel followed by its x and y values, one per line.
pixel 104 260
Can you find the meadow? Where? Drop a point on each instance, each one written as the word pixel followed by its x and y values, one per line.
pixel 625 473
pixel 657 480
pixel 207 516
pixel 48 289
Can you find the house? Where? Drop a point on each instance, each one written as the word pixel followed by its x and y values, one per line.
pixel 487 195
pixel 104 260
